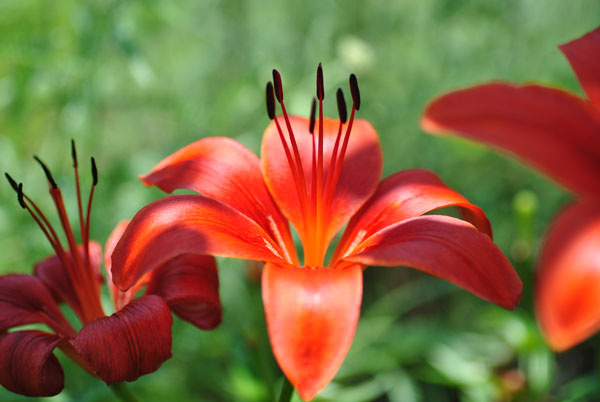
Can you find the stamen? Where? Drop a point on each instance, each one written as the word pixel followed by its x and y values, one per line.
pixel 20 196
pixel 337 162
pixel 11 181
pixel 320 90
pixel 82 225
pixel 294 168
pixel 47 172
pixel 313 110
pixel 88 292
pixel 87 304
pixel 270 101
pixel 354 91
pixel 94 172
pixel 311 246
pixel 41 220
pixel 85 234
pixel 341 104
pixel 319 168
pixel 73 153
pixel 298 162
pixel 278 85
pixel 329 186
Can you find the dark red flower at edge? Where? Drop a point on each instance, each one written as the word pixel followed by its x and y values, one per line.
pixel 559 134
pixel 133 341
pixel 319 174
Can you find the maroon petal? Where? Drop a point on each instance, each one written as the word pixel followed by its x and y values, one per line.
pixel 130 343
pixel 189 284
pixel 27 365
pixel 25 300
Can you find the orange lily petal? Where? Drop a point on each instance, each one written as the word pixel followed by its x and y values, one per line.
pixel 128 344
pixel 312 315
pixel 448 248
pixel 186 224
pixel 548 128
pixel 27 365
pixel 584 55
pixel 361 169
pixel 404 195
pixel 568 277
pixel 120 297
pixel 189 284
pixel 223 169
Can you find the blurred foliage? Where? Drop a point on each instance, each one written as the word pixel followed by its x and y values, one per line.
pixel 133 81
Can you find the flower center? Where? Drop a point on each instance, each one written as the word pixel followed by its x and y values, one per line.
pixel 315 203
pixel 78 267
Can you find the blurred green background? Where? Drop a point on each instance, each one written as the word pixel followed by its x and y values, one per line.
pixel 133 81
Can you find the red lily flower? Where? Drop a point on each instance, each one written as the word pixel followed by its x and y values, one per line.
pixel 134 341
pixel 558 133
pixel 318 181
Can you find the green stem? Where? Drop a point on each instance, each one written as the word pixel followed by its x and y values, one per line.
pixel 287 389
pixel 122 392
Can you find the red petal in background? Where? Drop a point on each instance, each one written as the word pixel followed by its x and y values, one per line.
pixel 190 285
pixel 548 128
pixel 224 170
pixel 128 344
pixel 25 300
pixel 450 249
pixel 312 315
pixel 359 176
pixel 404 195
pixel 568 278
pixel 584 55
pixel 186 224
pixel 27 365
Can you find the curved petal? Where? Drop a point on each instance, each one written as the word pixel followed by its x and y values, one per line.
pixel 186 224
pixel 53 274
pixel 120 298
pixel 450 249
pixel 584 55
pixel 25 300
pixel 568 278
pixel 130 343
pixel 190 285
pixel 223 169
pixel 27 365
pixel 361 169
pixel 312 315
pixel 404 195
pixel 547 128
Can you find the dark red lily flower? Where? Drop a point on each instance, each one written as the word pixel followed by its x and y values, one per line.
pixel 319 174
pixel 559 134
pixel 133 341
